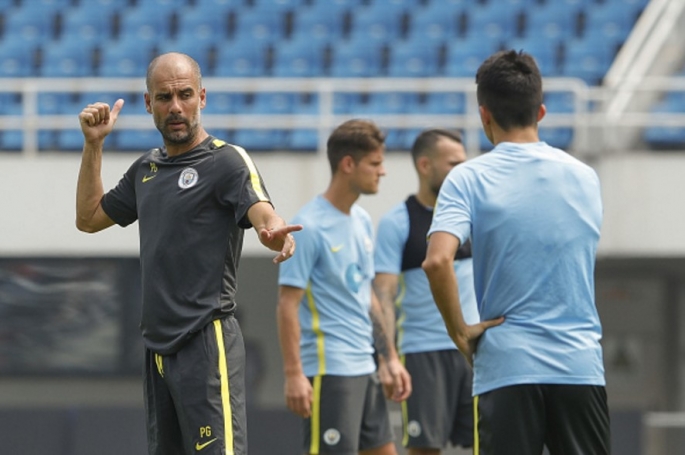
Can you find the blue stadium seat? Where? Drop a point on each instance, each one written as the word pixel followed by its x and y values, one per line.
pixel 464 57
pixel 125 58
pixel 198 49
pixel 87 24
pixel 67 58
pixel 219 6
pixel 558 103
pixel 157 5
pixel 544 51
pixel 25 25
pixel 444 103
pixel 261 140
pixel 587 60
pixel 136 140
pixel 553 21
pixel 437 24
pixel 242 57
pixel 224 103
pixel 318 24
pixel 299 58
pixel 494 21
pixel 17 58
pixel 356 58
pixel 271 103
pixel 276 5
pixel 610 22
pixel 384 103
pixel 667 137
pixel 377 24
pixel 45 5
pixel 201 26
pixel 257 25
pixel 414 58
pixel 303 140
pixel 10 104
pixel 145 24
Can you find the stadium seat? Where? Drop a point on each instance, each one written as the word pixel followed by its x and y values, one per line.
pixel 357 58
pixel 587 59
pixel 17 58
pixel 667 137
pixel 145 24
pixel 465 56
pixel 553 21
pixel 494 21
pixel 416 58
pixel 201 26
pixel 157 5
pixel 304 140
pixel 376 23
pixel 261 140
pixel 319 24
pixel 271 103
pixel 242 57
pixel 437 24
pixel 299 58
pixel 257 25
pixel 198 49
pixel 25 25
pixel 218 6
pixel 136 140
pixel 545 52
pixel 609 22
pixel 444 103
pixel 125 58
pixel 45 5
pixel 67 58
pixel 224 103
pixel 92 25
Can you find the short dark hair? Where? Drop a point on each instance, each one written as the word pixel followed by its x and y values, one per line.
pixel 425 142
pixel 510 87
pixel 356 138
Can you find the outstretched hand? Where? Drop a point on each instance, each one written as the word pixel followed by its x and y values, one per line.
pixel 280 239
pixel 97 120
pixel 468 341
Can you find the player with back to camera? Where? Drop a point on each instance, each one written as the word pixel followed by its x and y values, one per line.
pixel 328 316
pixel 533 214
pixel 193 198
pixel 440 408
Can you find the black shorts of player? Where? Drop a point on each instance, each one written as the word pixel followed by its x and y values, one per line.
pixel 440 408
pixel 521 419
pixel 195 398
pixel 349 414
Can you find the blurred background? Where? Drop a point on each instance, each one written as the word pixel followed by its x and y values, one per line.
pixel 280 74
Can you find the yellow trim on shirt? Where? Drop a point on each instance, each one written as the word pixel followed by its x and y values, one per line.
pixel 254 175
pixel 316 328
pixel 403 315
pixel 225 390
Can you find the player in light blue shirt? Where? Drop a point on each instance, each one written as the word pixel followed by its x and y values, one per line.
pixel 440 408
pixel 533 214
pixel 328 316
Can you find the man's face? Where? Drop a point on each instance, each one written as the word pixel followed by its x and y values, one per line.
pixel 448 153
pixel 175 100
pixel 368 171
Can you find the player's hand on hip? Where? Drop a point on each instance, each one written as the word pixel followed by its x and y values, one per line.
pixel 298 395
pixel 468 341
pixel 280 239
pixel 97 120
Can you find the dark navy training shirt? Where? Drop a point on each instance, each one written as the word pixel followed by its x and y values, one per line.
pixel 192 212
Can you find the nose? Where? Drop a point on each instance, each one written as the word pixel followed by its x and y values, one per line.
pixel 381 171
pixel 175 105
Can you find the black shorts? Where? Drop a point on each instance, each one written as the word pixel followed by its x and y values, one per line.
pixel 440 408
pixel 195 398
pixel 521 419
pixel 349 414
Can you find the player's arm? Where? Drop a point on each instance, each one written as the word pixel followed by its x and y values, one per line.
pixel 395 378
pixel 298 390
pixel 273 231
pixel 439 268
pixel 385 286
pixel 97 121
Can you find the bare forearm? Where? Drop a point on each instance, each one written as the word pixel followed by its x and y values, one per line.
pixel 89 190
pixel 445 289
pixel 289 338
pixel 384 343
pixel 387 303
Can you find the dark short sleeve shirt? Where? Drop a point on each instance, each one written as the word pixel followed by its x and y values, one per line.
pixel 191 211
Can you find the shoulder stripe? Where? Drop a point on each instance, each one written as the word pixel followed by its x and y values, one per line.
pixel 254 175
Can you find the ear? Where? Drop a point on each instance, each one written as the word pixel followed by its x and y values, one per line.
pixel 423 165
pixel 346 165
pixel 203 98
pixel 542 112
pixel 485 115
pixel 148 105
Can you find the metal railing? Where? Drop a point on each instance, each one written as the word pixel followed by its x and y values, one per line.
pixel 590 124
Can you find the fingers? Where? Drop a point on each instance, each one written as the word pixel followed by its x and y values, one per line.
pixel 300 406
pixel 114 114
pixel 492 323
pixel 402 386
pixel 100 113
pixel 287 251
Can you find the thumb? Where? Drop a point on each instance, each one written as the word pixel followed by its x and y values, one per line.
pixel 116 109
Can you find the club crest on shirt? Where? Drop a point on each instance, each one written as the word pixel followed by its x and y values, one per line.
pixel 331 436
pixel 188 178
pixel 414 429
pixel 353 277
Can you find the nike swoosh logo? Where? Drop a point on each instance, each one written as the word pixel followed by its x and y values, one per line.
pixel 150 177
pixel 335 249
pixel 199 446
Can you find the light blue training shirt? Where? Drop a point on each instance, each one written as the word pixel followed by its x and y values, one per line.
pixel 533 214
pixel 420 327
pixel 334 264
